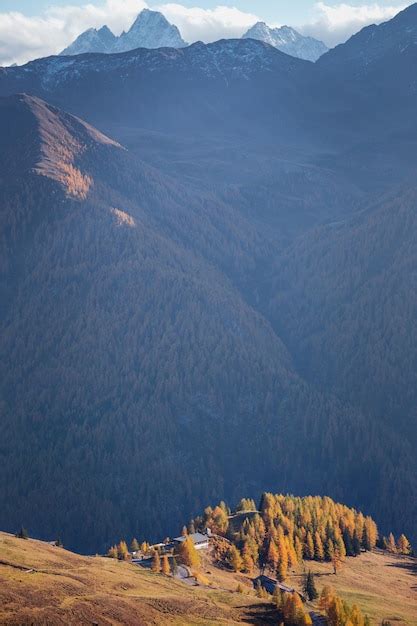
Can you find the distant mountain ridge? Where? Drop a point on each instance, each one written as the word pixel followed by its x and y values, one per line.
pixel 150 30
pixel 374 44
pixel 288 40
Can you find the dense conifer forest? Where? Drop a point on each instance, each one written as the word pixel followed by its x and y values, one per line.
pixel 203 307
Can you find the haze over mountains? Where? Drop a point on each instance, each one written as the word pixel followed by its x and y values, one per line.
pixel 212 293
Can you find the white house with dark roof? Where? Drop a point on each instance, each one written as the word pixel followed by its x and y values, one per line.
pixel 201 541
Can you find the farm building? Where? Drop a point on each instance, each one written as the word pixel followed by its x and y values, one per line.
pixel 270 584
pixel 201 541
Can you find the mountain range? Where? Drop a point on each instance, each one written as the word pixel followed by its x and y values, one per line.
pixel 288 40
pixel 152 30
pixel 207 283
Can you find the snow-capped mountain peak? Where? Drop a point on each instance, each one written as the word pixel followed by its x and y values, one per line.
pixel 150 30
pixel 92 40
pixel 288 40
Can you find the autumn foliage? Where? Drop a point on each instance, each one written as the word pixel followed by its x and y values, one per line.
pixel 286 530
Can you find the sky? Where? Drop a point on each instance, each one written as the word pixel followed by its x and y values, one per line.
pixel 33 28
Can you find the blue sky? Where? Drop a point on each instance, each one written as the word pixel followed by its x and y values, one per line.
pixel 295 11
pixel 34 28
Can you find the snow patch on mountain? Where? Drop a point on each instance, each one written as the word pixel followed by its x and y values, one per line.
pixel 288 40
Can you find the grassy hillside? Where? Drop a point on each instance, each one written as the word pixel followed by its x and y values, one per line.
pixel 383 585
pixel 44 584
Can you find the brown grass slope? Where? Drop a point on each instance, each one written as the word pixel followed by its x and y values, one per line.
pixel 383 585
pixel 43 584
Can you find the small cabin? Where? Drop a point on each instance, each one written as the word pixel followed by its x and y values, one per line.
pixel 270 584
pixel 201 542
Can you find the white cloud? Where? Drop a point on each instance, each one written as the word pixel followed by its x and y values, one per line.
pixel 208 24
pixel 335 24
pixel 24 38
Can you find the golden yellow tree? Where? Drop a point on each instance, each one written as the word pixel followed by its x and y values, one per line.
pixel 122 551
pixel 234 559
pixel 370 534
pixel 309 547
pixel 156 562
pixel 134 546
pixel 165 565
pixel 318 547
pixel 272 556
pixel 282 570
pixel 298 546
pixel 248 563
pixel 403 545
pixel 326 597
pixel 112 552
pixel 188 554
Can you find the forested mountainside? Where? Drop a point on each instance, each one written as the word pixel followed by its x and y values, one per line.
pixel 135 377
pixel 348 288
pixel 216 301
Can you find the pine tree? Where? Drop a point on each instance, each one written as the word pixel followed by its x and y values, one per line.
pixel 309 587
pixel 329 551
pixel 112 552
pixel 23 533
pixel 356 616
pixel 248 564
pixel 188 554
pixel 403 545
pixel 293 609
pixel 234 559
pixel 318 547
pixel 335 612
pixel 326 597
pixel 166 569
pixel 309 547
pixel 340 547
pixel 174 566
pixel 122 551
pixel 278 598
pixel 298 546
pixel 134 546
pixel 370 534
pixel 282 570
pixel 356 544
pixel 337 561
pixel 348 542
pixel 390 544
pixel 272 556
pixel 156 562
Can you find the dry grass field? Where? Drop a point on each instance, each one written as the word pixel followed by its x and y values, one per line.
pixel 42 584
pixel 383 585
